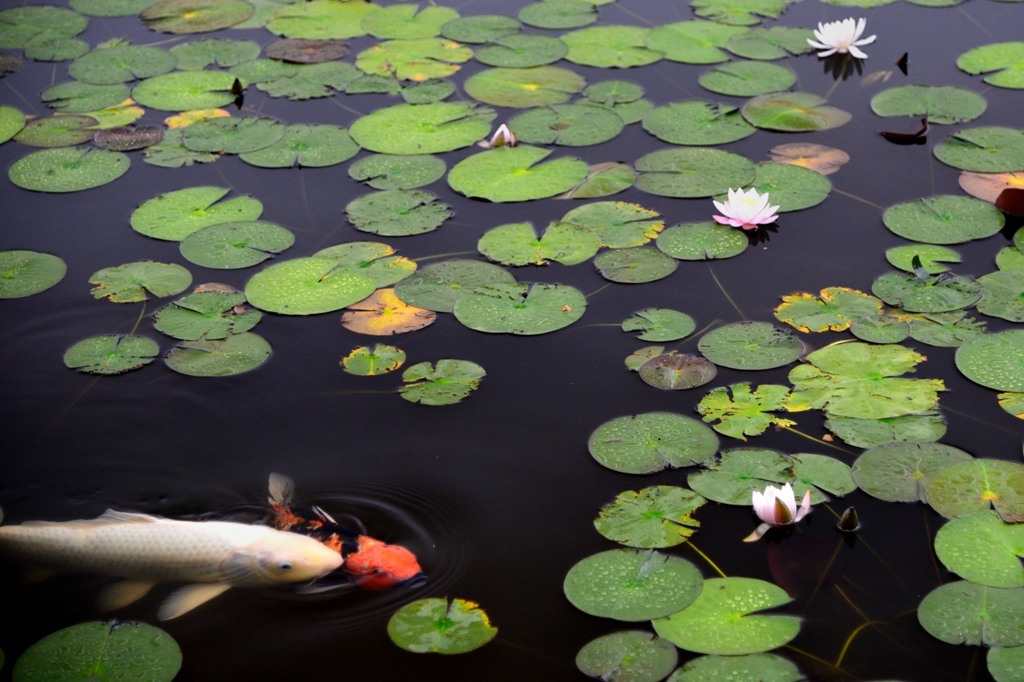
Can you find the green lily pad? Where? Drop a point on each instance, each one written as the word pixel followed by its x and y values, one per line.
pixel 994 360
pixel 446 383
pixel 522 51
pixel 232 135
pixel 1001 61
pixel 67 169
pixel 737 472
pixel 1006 664
pixel 986 149
pixel 381 359
pixel 308 146
pixel 693 42
pixel 949 330
pixel 414 60
pixel 522 88
pixel 22 26
pixel 742 412
pixel 702 241
pixel 377 261
pixel 965 613
pixel 899 472
pixel 750 345
pixel 645 443
pixel 834 309
pixel 231 246
pixel 81 98
pixel 975 486
pixel 321 20
pixel 675 371
pixel 206 314
pixel 660 516
pixel 747 668
pixel 428 91
pixel 132 282
pixel 110 8
pixel 195 16
pixel 793 112
pixel 556 15
pixel 635 265
pixel 612 92
pixel 24 273
pixel 422 128
pixel 610 47
pixel 306 286
pixel 632 585
pixel 659 324
pixel 519 244
pixel 480 28
pixel 121 650
pixel 929 294
pixel 171 153
pixel 440 626
pixel 183 90
pixel 111 354
pixel 397 212
pixel 199 54
pixel 58 131
pixel 944 219
pixel 56 49
pixel 408 21
pixel 692 173
pixel 724 619
pixel 439 286
pixel 867 433
pixel 573 125
pixel 519 173
pixel 739 12
pixel 297 81
pixel 617 223
pixel 234 354
pixel 792 187
pixel 387 171
pixel 1002 295
pixel 983 549
pixel 627 656
pixel 121 63
pixel 885 329
pixel 774 42
pixel 11 121
pixel 939 104
pixel 747 79
pixel 372 84
pixel 521 308
pixel 697 122
pixel 177 214
pixel 930 257
pixel 603 179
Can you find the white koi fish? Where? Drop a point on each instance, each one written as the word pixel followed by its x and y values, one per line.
pixel 211 555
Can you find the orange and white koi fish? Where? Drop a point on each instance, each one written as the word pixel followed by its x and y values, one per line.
pixel 369 563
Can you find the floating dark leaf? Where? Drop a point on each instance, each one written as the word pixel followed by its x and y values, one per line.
pixel 920 136
pixel 128 138
pixel 306 51
pixel 1011 201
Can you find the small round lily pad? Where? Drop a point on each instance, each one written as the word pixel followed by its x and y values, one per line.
pixel 390 171
pixel 445 383
pixel 985 149
pixel 133 282
pixel 962 612
pixel 628 656
pixel 975 486
pixel 659 516
pixel 702 241
pixel 24 273
pixel 306 286
pixel 573 125
pixel 234 354
pixel 983 548
pixel 692 173
pixel 939 103
pixel 944 219
pixel 659 324
pixel 520 308
pixel 747 79
pixel 635 265
pixel 306 146
pixel 519 173
pixel 697 122
pixel 111 354
pixel 195 16
pixel 235 245
pixel 653 441
pixel 750 345
pixel 397 212
pixel 381 359
pixel 68 169
pixel 994 360
pixel 899 472
pixel 522 88
pixel 440 626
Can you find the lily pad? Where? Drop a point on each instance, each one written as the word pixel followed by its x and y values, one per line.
pixel 234 354
pixel 693 42
pixel 635 265
pixel 573 125
pixel 939 104
pixel 519 244
pixel 692 173
pixel 748 668
pixel 774 42
pixel 986 149
pixel 387 171
pixel 235 245
pixel 675 371
pixel 437 625
pixel 128 138
pixel 519 173
pixel 25 273
pixel 121 63
pixel 439 286
pixel 195 16
pixel 610 47
pixel 561 14
pixel 414 60
pixel 792 187
pixel 446 383
pixel 793 112
pixel 738 471
pixel 480 28
pixel 184 90
pixel 133 282
pixel 899 472
pixel 603 179
pixel 929 294
pixel 867 433
pixel 306 286
pixel 742 412
pixel 1002 295
pixel 122 650
pixel 308 146
pixel 232 135
pixel 209 314
pixel 199 54
pixel 660 516
pixel 171 153
pixel 522 88
pixel 397 212
pixel 618 224
pixel 994 360
pixel 702 241
pixel 1006 664
pixel 747 79
pixel 321 19
pixel 645 443
pixel 377 261
pixel 298 81
pixel 177 214
pixel 522 51
pixel 1001 61
pixel 659 324
pixel 111 354
pixel 834 309
pixel 64 130
pixel 750 345
pixel 422 128
pixel 965 613
pixel 81 98
pixel 697 122
pixel 366 362
pixel 944 219
pixel 521 308
pixel 740 12
pixel 11 121
pixel 983 549
pixel 21 26
pixel 383 314
pixel 408 21
pixel 724 619
pixel 627 656
pixel 975 486
pixel 67 169
pixel 632 585
pixel 931 258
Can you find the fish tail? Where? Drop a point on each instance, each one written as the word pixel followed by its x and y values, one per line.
pixel 281 489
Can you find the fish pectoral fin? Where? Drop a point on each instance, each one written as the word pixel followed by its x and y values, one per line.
pixel 187 598
pixel 122 593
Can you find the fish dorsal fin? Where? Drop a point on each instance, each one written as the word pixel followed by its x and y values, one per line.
pixel 105 519
pixel 122 593
pixel 281 489
pixel 189 597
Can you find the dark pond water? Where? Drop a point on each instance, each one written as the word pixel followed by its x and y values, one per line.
pixel 497 494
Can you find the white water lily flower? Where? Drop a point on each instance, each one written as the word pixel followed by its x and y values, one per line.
pixel 503 137
pixel 842 37
pixel 745 210
pixel 777 507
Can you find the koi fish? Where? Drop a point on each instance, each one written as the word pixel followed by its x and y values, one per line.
pixel 369 563
pixel 212 556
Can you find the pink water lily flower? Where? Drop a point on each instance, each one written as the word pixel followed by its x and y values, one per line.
pixel 503 137
pixel 745 210
pixel 777 507
pixel 841 37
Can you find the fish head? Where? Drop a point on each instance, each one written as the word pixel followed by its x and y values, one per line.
pixel 377 565
pixel 280 557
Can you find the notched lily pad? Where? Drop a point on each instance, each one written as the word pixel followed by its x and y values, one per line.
pixel 234 354
pixel 650 442
pixel 133 282
pixel 660 516
pixel 446 383
pixel 441 626
pixel 111 354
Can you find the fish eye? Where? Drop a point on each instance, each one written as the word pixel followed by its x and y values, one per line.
pixel 285 566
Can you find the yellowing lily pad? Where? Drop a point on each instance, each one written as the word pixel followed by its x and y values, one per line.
pixel 133 282
pixel 440 626
pixel 817 157
pixel 977 485
pixel 381 359
pixel 384 314
pixel 741 412
pixel 660 516
pixel 834 309
pixel 414 60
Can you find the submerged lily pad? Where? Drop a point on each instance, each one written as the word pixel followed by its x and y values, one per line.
pixel 234 354
pixel 966 613
pixel 793 112
pixel 994 360
pixel 650 442
pixel 899 472
pixel 177 214
pixel 632 585
pixel 944 219
pixel 975 486
pixel 437 625
pixel 660 516
pixel 210 314
pixel 439 286
pixel 750 345
pixel 627 656
pixel 983 548
pixel 675 371
pixel 24 273
pixel 446 383
pixel 128 138
pixel 521 308
pixel 111 354
pixel 519 173
pixel 306 286
pixel 235 245
pixel 67 169
pixel 724 619
pixel 134 282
